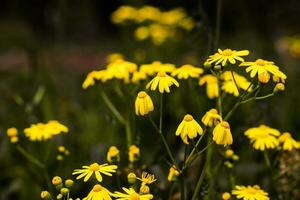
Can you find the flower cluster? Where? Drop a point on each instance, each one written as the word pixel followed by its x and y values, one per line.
pixel 153 23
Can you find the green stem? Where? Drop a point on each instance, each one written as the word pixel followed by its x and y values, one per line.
pixel 195 147
pixel 218 23
pixel 199 182
pixel 199 153
pixel 236 85
pixel 258 98
pixel 128 134
pixel 30 158
pixel 266 156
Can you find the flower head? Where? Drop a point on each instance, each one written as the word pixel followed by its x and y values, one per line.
pixel 96 169
pixel 133 153
pixel 146 178
pixel 263 137
pixel 250 192
pixel 143 104
pixel 41 131
pixel 163 82
pixel 186 71
pixel 173 173
pixel 101 75
pixel 131 194
pixel 211 118
pixel 99 193
pixel 212 87
pixel 226 196
pixel 233 80
pixel 188 128
pixel 226 56
pixel 113 154
pixel 222 134
pixel 157 66
pixel 288 143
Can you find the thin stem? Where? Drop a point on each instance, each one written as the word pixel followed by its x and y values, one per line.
pixel 111 106
pixel 199 183
pixel 195 147
pixel 266 156
pixel 30 158
pixel 161 112
pixel 236 85
pixel 257 98
pixel 199 153
pixel 128 134
pixel 218 23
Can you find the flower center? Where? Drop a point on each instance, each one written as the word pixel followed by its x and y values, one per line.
pixel 97 188
pixel 213 111
pixel 260 62
pixel 161 74
pixel 285 136
pixel 225 124
pixel 142 94
pixel 251 190
pixel 188 118
pixel 134 196
pixel 227 52
pixel 94 167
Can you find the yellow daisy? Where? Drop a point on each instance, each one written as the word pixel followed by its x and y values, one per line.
pixel 113 154
pixel 143 104
pixel 173 173
pixel 186 71
pixel 163 82
pixel 188 128
pixel 263 69
pixel 250 192
pixel 222 134
pixel 211 118
pixel 212 87
pixel 121 69
pixel 96 169
pixel 226 56
pixel 146 178
pixel 99 193
pixel 131 194
pixel 229 84
pixel 133 153
pixel 138 76
pixel 288 143
pixel 263 137
pixel 157 66
pixel 101 75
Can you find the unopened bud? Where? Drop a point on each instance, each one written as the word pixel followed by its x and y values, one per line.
pixel 45 195
pixel 69 183
pixel 131 178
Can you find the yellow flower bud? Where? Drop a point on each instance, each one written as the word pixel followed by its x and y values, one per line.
pixel 228 164
pixel 12 132
pixel 56 180
pixel 69 183
pixel 59 196
pixel 235 157
pixel 131 178
pixel 207 65
pixel 279 87
pixel 264 77
pixel 45 195
pixel 226 196
pixel 61 149
pixel 144 189
pixel 14 139
pixel 59 157
pixel 113 154
pixel 64 191
pixel 229 153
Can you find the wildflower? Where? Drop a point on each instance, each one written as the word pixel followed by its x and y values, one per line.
pixel 250 192
pixel 124 13
pixel 288 143
pixel 186 71
pixel 45 195
pixel 263 69
pixel 69 183
pixel 163 82
pixel 173 173
pixel 114 57
pixel 173 17
pixel 138 76
pixel 61 149
pixel 41 131
pixel 121 69
pixel 144 189
pixel 14 139
pixel 229 153
pixel 234 80
pixel 113 154
pixel 148 13
pixel 64 191
pixel 131 194
pixel 143 104
pixel 279 87
pixel 12 132
pixel 212 87
pixel 99 193
pixel 226 196
pixel 157 66
pixel 263 137
pixel 211 118
pixel 102 75
pixel 146 178
pixel 226 56
pixel 188 128
pixel 142 33
pixel 159 33
pixel 96 169
pixel 222 134
pixel 134 153
pixel 131 178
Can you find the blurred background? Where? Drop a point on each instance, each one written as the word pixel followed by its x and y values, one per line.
pixel 48 47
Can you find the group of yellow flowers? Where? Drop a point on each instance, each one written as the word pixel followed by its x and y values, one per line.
pixel 154 23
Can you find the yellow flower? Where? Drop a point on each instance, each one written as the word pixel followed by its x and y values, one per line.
pixel 114 57
pixel 121 69
pixel 146 178
pixel 226 56
pixel 157 66
pixel 99 193
pixel 159 33
pixel 211 118
pixel 188 128
pixel 130 194
pixel 163 82
pixel 102 75
pixel 263 69
pixel 138 76
pixel 186 71
pixel 226 196
pixel 142 33
pixel 113 154
pixel 124 13
pixel 148 13
pixel 263 137
pixel 229 153
pixel 56 180
pixel 96 169
pixel 173 173
pixel 134 153
pixel 143 104
pixel 173 17
pixel 229 86
pixel 41 131
pixel 45 195
pixel 12 132
pixel 288 143
pixel 222 134
pixel 250 192
pixel 212 87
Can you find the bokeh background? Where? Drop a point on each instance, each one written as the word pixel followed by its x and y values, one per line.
pixel 48 47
